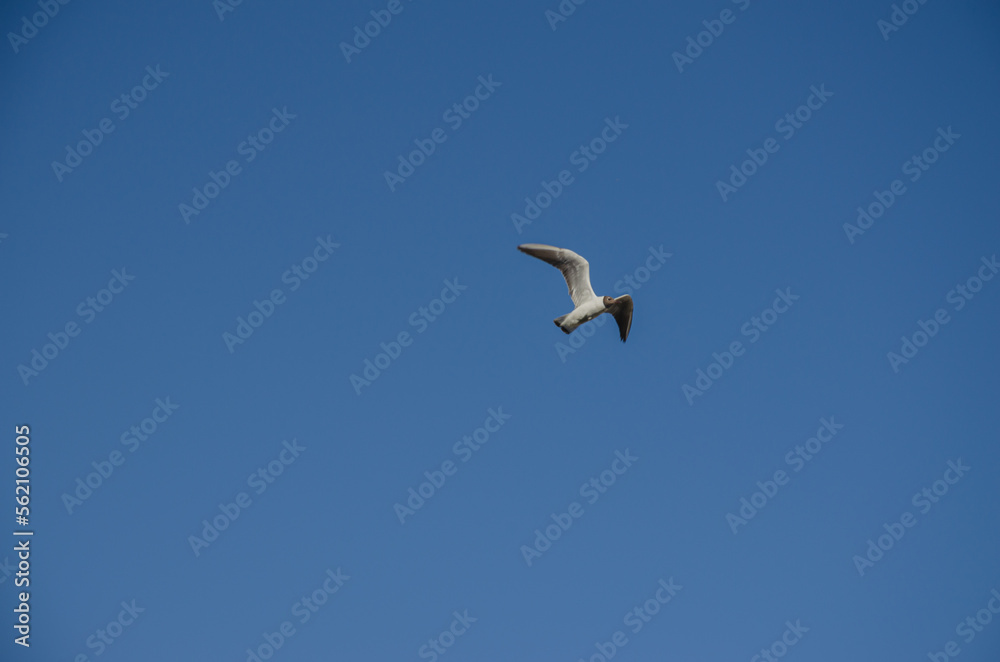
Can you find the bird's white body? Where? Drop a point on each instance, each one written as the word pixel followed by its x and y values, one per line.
pixel 585 312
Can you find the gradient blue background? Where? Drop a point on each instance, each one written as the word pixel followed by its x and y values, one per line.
pixel 495 346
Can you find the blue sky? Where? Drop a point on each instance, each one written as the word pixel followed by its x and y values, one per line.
pixel 206 358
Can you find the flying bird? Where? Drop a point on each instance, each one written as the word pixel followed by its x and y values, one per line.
pixel 588 305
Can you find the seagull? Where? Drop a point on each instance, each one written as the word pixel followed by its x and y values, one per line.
pixel 588 305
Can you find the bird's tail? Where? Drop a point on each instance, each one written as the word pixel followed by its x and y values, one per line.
pixel 559 321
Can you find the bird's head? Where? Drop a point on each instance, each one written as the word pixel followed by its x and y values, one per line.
pixel 608 302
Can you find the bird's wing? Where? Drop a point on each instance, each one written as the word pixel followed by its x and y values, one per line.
pixel 574 269
pixel 621 309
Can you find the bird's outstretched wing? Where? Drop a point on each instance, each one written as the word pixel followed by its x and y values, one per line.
pixel 574 268
pixel 621 309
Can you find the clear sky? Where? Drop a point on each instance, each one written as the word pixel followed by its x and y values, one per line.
pixel 293 393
